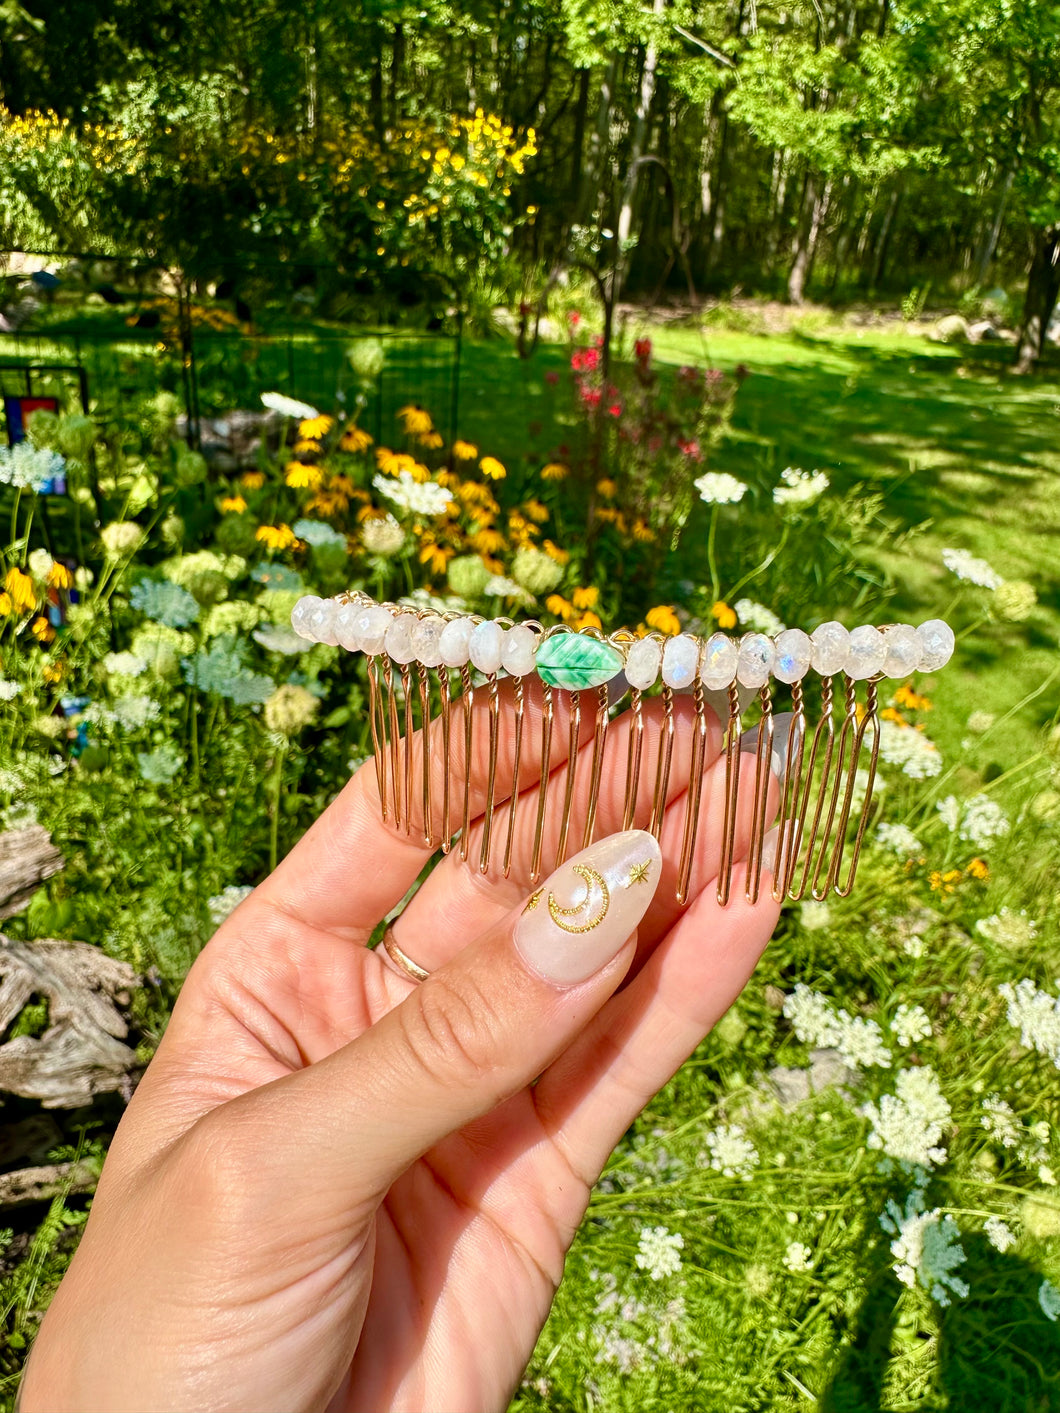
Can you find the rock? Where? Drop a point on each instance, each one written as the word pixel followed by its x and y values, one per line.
pixel 27 858
pixel 828 1070
pixel 983 331
pixel 42 1184
pixel 950 329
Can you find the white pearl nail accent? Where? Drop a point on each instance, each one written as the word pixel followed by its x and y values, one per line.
pixel 679 661
pixel 831 644
pixel 484 647
pixel 755 660
pixel 938 643
pixel 454 642
pixel 867 652
pixel 794 651
pixel 904 650
pixel 643 662
pixel 518 650
pixel 718 669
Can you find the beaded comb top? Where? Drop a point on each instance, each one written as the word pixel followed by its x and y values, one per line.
pixel 423 735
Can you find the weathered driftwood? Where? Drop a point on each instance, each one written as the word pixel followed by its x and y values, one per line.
pixel 27 858
pixel 80 1054
pixel 30 1138
pixel 42 1184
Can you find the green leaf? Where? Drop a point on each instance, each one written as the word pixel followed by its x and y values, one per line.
pixel 574 661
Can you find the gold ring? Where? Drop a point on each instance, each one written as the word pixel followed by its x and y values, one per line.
pixel 401 959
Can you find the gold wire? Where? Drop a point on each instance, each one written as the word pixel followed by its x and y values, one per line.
pixel 469 698
pixel 694 793
pixel 633 758
pixel 662 770
pixel 733 732
pixel 870 717
pixel 787 825
pixel 572 766
pixel 517 750
pixel 818 891
pixel 410 730
pixel 425 734
pixel 373 709
pixel 491 778
pixel 825 728
pixel 763 770
pixel 542 791
pixel 392 721
pixel 599 737
pixel 443 685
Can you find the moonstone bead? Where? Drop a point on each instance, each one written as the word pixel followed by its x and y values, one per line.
pixel 904 649
pixel 319 621
pixel 301 611
pixel 426 640
pixel 868 648
pixel 937 641
pixel 755 660
pixel 399 637
pixel 486 646
pixel 345 627
pixel 643 661
pixel 680 660
pixel 518 650
pixel 371 626
pixel 718 669
pixel 794 651
pixel 831 644
pixel 453 644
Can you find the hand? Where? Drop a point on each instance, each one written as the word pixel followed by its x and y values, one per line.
pixel 335 1187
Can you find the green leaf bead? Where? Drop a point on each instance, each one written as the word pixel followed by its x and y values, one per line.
pixel 575 661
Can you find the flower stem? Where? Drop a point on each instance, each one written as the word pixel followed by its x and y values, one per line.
pixel 274 826
pixel 715 585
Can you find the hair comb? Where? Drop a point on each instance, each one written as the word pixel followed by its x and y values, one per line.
pixel 436 684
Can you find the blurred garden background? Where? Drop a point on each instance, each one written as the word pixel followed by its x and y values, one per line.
pixel 673 315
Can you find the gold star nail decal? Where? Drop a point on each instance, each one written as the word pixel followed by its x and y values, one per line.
pixel 533 900
pixel 639 872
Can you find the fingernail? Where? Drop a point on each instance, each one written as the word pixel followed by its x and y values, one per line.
pixel 778 746
pixel 583 914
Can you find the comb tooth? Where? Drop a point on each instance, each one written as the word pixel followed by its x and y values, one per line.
pixel 869 719
pixel 599 737
pixel 734 730
pixel 572 766
pixel 694 794
pixel 789 822
pixel 491 779
pixel 763 763
pixel 542 793
pixel 410 731
pixel 447 829
pixel 469 698
pixel 373 714
pixel 662 772
pixel 517 750
pixel 826 731
pixel 826 859
pixel 425 737
pixel 633 758
pixel 392 722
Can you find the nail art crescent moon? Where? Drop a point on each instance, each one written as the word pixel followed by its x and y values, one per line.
pixel 595 886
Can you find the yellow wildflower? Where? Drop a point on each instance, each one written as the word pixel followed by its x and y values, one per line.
pixel 664 619
pixel 252 480
pixel 415 419
pixel 343 486
pixel 20 587
pixel 435 556
pixel 488 541
pixel 554 471
pixel 42 630
pixel 301 475
pixel 588 620
pixel 586 598
pixel 606 488
pixel 608 514
pixel 558 605
pixel 59 577
pixel 905 696
pixel 643 532
pixel 723 614
pixel 355 439
pixel 329 502
pixel 306 448
pixel 465 451
pixel 6 606
pixel 449 479
pixel 234 505
pixel 561 556
pixel 491 467
pixel 978 869
pixel 419 472
pixel 392 463
pixel 276 537
pixel 536 511
pixel 53 671
pixel 433 440
pixel 316 427
pixel 889 714
pixel 944 882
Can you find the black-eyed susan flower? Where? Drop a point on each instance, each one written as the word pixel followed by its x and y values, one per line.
pixel 355 439
pixel 555 471
pixel 432 440
pixel 20 588
pixel 561 556
pixel 233 505
pixel 300 475
pixel 722 614
pixel 276 537
pixel 586 598
pixel 416 420
pixel 252 480
pixel 664 620
pixel 42 630
pixel 59 577
pixel 464 451
pixel 491 467
pixel 313 428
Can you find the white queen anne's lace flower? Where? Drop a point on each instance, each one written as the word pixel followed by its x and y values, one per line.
pixel 731 1153
pixel 900 839
pixel 999 1234
pixel 798 487
pixel 226 902
pixel 983 820
pixel 973 571
pixel 288 406
pixel 719 488
pixel 910 750
pixel 755 615
pixel 817 1022
pixel 1049 1300
pixel 659 1252
pixel 426 498
pixel 798 1258
pixel 926 1248
pixel 908 1125
pixel 910 1024
pixel 1008 928
pixel 1036 1014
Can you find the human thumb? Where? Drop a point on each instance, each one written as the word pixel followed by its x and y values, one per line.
pixel 482 1026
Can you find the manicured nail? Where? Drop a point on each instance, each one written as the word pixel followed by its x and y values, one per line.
pixel 778 746
pixel 582 916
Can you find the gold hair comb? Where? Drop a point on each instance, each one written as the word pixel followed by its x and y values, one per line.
pixel 822 795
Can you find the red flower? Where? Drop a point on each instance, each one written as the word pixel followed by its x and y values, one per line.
pixel 584 359
pixel 615 410
pixel 642 349
pixel 574 318
pixel 690 447
pixel 591 397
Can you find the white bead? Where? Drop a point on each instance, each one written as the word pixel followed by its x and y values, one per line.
pixel 370 626
pixel 301 611
pixel 718 669
pixel 794 651
pixel 518 650
pixel 453 644
pixel 755 659
pixel 399 637
pixel 867 652
pixel 345 627
pixel 831 644
pixel 904 649
pixel 642 663
pixel 426 640
pixel 680 660
pixel 485 647
pixel 319 621
pixel 938 643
